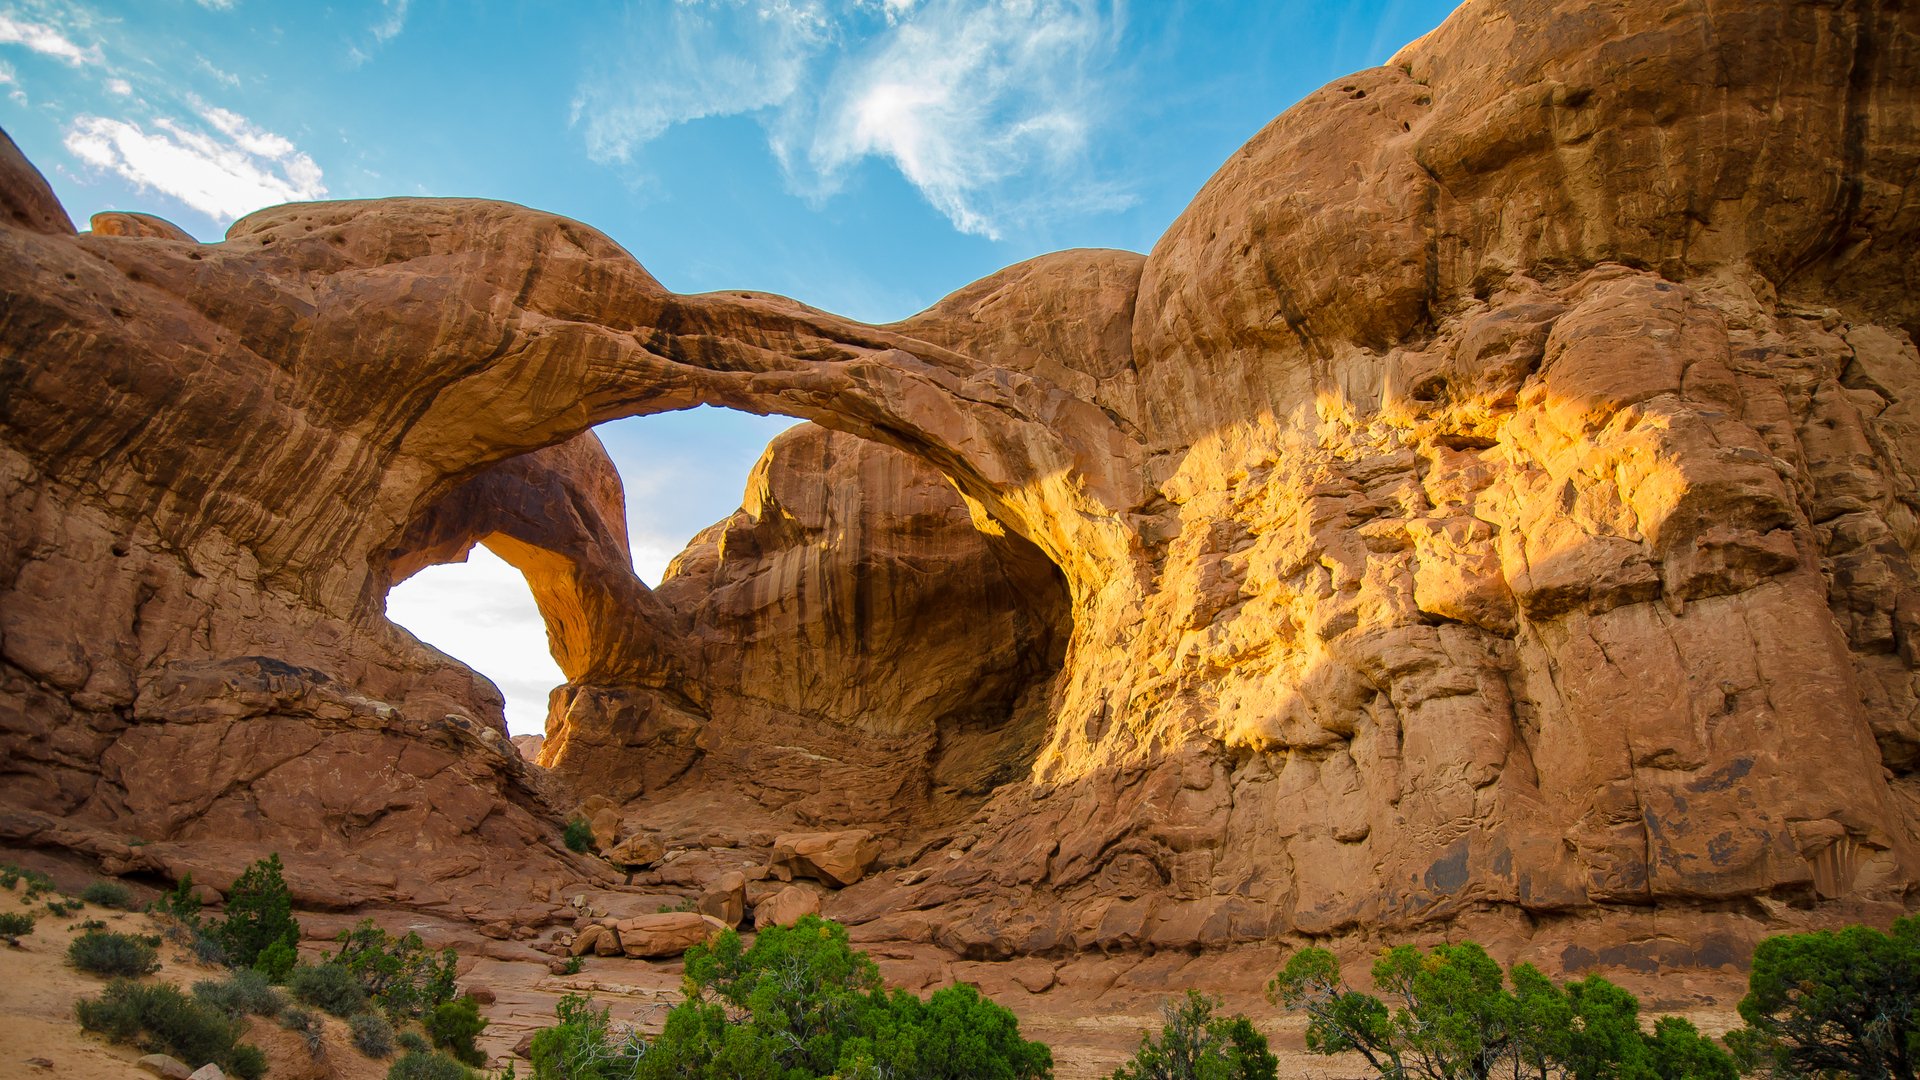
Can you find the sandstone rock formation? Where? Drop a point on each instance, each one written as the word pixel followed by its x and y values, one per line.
pixel 836 858
pixel 1494 498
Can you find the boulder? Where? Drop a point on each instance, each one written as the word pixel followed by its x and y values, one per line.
pixel 586 939
pixel 726 898
pixel 168 1068
pixel 209 1071
pixel 836 858
pixel 640 849
pixel 786 907
pixel 669 933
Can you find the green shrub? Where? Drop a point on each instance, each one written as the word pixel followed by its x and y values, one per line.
pixel 37 882
pixel 180 903
pixel 108 894
pixel 583 1045
pixel 1195 1044
pixel 578 835
pixel 415 1065
pixel 158 1018
pixel 413 1041
pixel 453 1025
pixel 799 1003
pixel 401 974
pixel 60 909
pixel 15 925
pixel 276 961
pixel 574 965
pixel 328 986
pixel 106 954
pixel 1834 1002
pixel 244 993
pixel 259 914
pixel 1455 1017
pixel 372 1034
pixel 248 1062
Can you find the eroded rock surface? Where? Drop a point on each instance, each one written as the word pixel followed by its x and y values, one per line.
pixel 1493 499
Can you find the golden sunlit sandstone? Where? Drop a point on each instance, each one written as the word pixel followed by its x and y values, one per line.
pixel 1491 503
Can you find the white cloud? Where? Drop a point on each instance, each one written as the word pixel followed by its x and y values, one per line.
pixel 988 109
pixel 964 99
pixel 224 177
pixel 119 86
pixel 46 41
pixel 226 78
pixel 482 612
pixel 712 58
pixel 391 22
pixel 217 5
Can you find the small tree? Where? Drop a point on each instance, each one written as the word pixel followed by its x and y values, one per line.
pixel 1195 1044
pixel 401 974
pixel 1453 1019
pixel 259 914
pixel 1828 1002
pixel 454 1025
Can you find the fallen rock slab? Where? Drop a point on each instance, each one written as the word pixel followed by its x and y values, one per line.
pixel 670 933
pixel 837 858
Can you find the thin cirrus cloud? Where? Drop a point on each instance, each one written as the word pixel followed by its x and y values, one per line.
pixel 223 166
pixel 46 40
pixel 982 107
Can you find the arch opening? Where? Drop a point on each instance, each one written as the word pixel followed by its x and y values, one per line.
pixel 847 646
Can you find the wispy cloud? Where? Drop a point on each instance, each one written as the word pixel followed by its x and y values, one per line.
pixel 711 58
pixel 217 5
pixel 981 106
pixel 223 165
pixel 392 20
pixel 219 75
pixel 46 40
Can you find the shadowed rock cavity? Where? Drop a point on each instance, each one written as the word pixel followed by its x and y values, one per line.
pixel 1493 499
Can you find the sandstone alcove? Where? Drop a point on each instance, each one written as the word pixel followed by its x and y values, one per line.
pixel 853 645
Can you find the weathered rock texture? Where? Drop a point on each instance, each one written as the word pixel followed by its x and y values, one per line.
pixel 1495 494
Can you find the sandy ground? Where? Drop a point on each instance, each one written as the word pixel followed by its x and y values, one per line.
pixel 1092 1017
pixel 40 1037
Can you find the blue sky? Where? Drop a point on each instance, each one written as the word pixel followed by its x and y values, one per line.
pixel 865 156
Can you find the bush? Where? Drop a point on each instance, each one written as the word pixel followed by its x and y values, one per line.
pixel 259 914
pixel 401 974
pixel 276 961
pixel 801 1003
pixel 1829 1002
pixel 574 965
pixel 106 954
pixel 414 1065
pixel 453 1025
pixel 180 903
pixel 15 925
pixel 413 1041
pixel 328 986
pixel 37 882
pixel 578 835
pixel 108 894
pixel 158 1018
pixel 372 1035
pixel 1455 1018
pixel 583 1046
pixel 1195 1044
pixel 244 993
pixel 60 909
pixel 307 1024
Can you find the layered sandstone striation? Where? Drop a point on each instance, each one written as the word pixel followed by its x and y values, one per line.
pixel 1493 499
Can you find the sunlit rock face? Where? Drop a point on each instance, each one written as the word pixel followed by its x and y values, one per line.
pixel 1493 498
